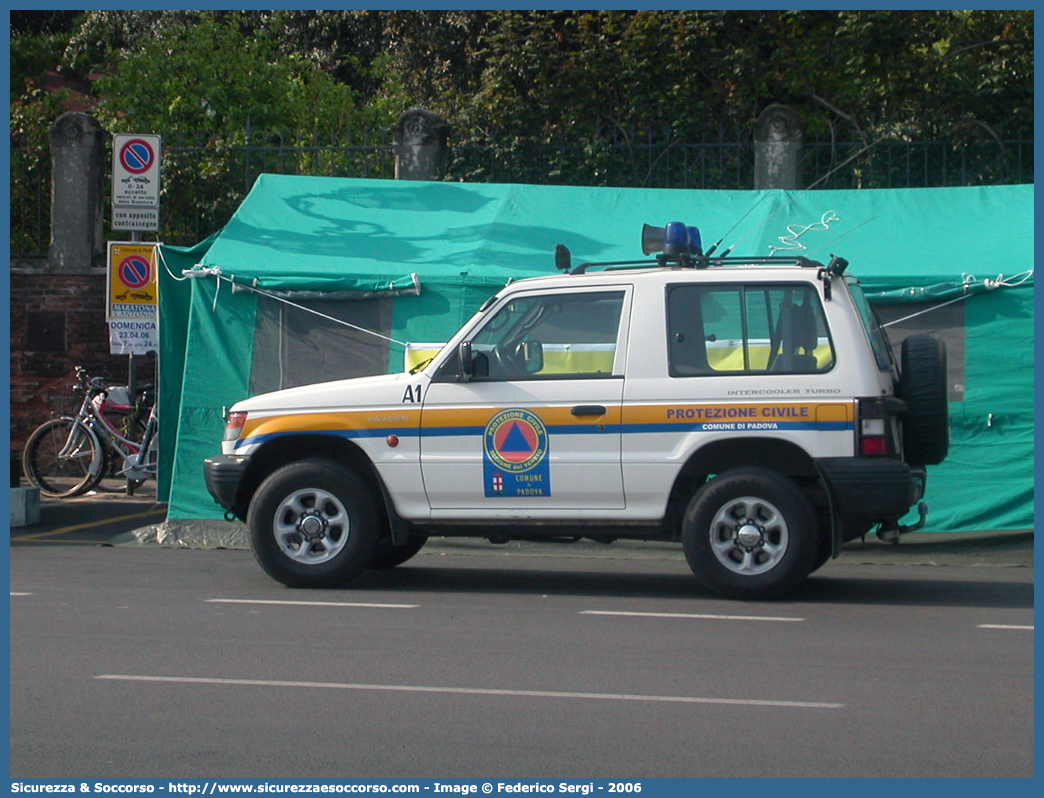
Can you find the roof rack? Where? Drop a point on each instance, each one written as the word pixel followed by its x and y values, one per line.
pixel 696 262
pixel 679 246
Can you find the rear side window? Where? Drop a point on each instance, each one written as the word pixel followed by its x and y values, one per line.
pixel 746 329
pixel 872 325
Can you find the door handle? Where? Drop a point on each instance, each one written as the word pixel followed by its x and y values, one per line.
pixel 589 410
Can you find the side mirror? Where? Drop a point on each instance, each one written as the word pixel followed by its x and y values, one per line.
pixel 465 361
pixel 533 356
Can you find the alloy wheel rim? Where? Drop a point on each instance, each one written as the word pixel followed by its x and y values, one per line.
pixel 311 526
pixel 749 536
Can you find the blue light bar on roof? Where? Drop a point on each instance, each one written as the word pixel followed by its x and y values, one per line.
pixel 675 239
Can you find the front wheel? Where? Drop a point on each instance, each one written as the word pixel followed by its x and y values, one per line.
pixel 386 555
pixel 313 524
pixel 750 534
pixel 62 458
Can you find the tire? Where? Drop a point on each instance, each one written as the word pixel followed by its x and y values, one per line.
pixel 922 385
pixel 313 524
pixel 750 533
pixel 824 551
pixel 825 541
pixel 386 555
pixel 57 476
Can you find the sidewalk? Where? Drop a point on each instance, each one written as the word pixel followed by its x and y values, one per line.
pixel 999 549
pixel 1013 548
pixel 111 518
pixel 93 518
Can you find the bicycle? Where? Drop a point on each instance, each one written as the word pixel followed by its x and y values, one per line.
pixel 70 455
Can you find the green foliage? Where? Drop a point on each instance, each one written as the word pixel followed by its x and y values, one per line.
pixel 345 44
pixel 32 114
pixel 535 78
pixel 32 56
pixel 222 83
pixel 583 97
pixel 621 89
pixel 209 78
pixel 33 111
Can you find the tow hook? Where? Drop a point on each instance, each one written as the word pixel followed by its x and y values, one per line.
pixel 893 533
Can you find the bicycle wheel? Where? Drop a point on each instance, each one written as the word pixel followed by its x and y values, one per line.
pixel 59 470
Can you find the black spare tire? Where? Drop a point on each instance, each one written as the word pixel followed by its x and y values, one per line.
pixel 922 385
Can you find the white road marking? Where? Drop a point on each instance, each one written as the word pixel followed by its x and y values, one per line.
pixel 315 603
pixel 695 616
pixel 401 688
pixel 1003 626
pixel 20 594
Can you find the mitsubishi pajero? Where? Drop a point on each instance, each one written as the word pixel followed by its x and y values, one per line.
pixel 749 408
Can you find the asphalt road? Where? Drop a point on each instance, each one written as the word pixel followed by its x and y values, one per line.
pixel 167 663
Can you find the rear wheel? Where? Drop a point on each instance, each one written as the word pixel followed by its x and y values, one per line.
pixel 824 551
pixel 750 534
pixel 313 524
pixel 62 458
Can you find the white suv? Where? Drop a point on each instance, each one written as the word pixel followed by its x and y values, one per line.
pixel 748 408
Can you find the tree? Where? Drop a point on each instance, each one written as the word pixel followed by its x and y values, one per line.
pixel 221 83
pixel 606 83
pixel 568 96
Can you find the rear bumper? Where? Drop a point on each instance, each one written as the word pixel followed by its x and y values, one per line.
pixel 223 475
pixel 868 490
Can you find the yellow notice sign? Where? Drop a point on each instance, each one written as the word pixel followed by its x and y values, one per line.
pixel 133 290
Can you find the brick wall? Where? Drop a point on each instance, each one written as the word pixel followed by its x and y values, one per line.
pixel 58 323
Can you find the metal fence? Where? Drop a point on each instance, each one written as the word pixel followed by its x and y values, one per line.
pixel 204 181
pixel 730 165
pixel 30 200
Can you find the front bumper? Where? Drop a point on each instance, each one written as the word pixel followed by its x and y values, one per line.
pixel 223 475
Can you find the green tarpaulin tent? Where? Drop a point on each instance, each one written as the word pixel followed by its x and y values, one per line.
pixel 322 278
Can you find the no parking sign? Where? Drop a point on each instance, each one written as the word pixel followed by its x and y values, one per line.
pixel 133 298
pixel 135 181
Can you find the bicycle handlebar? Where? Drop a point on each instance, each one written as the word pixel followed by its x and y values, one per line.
pixel 95 385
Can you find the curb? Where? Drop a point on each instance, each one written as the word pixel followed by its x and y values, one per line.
pixel 1002 548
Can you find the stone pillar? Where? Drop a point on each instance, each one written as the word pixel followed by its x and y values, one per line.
pixel 778 141
pixel 420 145
pixel 77 188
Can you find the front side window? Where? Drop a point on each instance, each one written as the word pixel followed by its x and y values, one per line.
pixel 550 336
pixel 752 329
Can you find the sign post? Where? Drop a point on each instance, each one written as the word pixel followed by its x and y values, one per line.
pixel 135 207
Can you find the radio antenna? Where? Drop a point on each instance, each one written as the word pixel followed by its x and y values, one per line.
pixel 783 207
pixel 714 246
pixel 839 237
